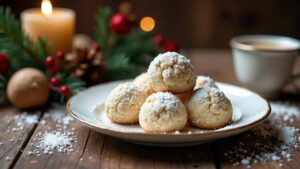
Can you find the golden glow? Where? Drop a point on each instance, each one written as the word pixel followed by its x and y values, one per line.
pixel 147 24
pixel 46 7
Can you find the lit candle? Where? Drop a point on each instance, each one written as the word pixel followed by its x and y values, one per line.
pixel 56 25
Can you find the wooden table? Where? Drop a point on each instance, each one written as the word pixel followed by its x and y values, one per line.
pixel 95 150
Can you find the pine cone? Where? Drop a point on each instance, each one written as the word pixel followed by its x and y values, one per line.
pixel 86 64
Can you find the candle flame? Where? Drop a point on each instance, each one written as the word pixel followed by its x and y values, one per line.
pixel 46 7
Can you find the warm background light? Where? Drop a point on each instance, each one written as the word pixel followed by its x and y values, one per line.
pixel 147 24
pixel 46 7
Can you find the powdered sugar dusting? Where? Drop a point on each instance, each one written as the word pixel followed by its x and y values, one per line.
pixel 285 111
pixel 204 81
pixel 172 58
pixel 165 100
pixel 275 140
pixel 48 142
pixel 59 138
pixel 21 121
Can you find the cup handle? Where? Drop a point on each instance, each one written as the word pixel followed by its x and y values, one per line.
pixel 293 80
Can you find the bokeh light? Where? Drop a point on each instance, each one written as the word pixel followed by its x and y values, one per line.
pixel 147 23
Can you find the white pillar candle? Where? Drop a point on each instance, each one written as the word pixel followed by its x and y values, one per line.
pixel 57 26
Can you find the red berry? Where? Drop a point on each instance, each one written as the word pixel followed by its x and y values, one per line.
pixel 60 55
pixel 54 81
pixel 50 62
pixel 54 69
pixel 4 63
pixel 158 40
pixel 64 90
pixel 96 46
pixel 120 24
pixel 171 46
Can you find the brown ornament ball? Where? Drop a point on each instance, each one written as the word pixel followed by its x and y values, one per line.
pixel 28 88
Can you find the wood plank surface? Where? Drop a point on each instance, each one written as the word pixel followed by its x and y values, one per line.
pixel 219 65
pixel 52 122
pixel 18 147
pixel 15 132
pixel 94 150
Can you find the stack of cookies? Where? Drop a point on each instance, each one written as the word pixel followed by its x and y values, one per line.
pixel 169 97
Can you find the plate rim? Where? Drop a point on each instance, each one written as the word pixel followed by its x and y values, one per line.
pixel 206 132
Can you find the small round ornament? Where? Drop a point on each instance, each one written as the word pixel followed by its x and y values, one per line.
pixel 50 61
pixel 120 24
pixel 54 69
pixel 171 46
pixel 159 40
pixel 28 88
pixel 64 90
pixel 60 55
pixel 4 63
pixel 54 81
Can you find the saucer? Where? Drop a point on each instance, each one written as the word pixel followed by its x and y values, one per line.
pixel 249 109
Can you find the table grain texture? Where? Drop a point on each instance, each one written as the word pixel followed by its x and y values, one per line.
pixel 95 150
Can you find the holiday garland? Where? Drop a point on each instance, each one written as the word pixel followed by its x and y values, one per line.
pixel 124 50
pixel 121 51
pixel 23 52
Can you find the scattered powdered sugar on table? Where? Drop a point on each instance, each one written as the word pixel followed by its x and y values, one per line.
pixel 285 111
pixel 58 138
pixel 61 139
pixel 21 120
pixel 274 140
pixel 48 142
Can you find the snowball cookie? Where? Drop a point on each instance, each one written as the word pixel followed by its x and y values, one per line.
pixel 142 81
pixel 171 72
pixel 184 96
pixel 124 102
pixel 162 112
pixel 209 108
pixel 204 81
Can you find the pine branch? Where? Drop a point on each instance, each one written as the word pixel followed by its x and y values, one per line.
pixel 103 31
pixel 17 45
pixel 120 67
pixel 75 85
pixel 136 45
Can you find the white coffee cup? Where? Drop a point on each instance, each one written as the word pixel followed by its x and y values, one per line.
pixel 264 63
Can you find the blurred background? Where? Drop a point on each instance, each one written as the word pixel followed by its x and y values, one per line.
pixel 192 23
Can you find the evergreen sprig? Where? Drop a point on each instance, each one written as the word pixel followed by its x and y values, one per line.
pixel 16 44
pixel 23 52
pixel 103 34
pixel 126 55
pixel 75 85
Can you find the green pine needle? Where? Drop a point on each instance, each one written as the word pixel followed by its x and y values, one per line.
pixel 75 84
pixel 103 31
pixel 16 44
pixel 26 53
pixel 125 55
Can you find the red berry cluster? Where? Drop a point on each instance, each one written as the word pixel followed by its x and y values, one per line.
pixel 160 41
pixel 52 63
pixel 4 63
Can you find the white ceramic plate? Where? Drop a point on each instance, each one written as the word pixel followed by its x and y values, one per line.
pixel 249 109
